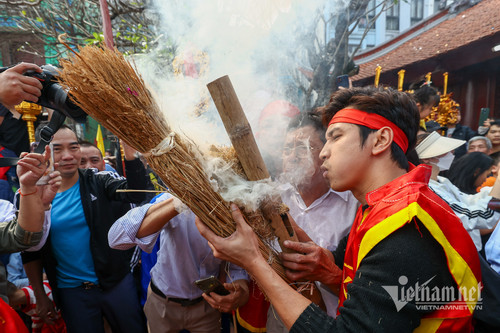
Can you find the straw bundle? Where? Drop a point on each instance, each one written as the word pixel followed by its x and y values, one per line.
pixel 109 89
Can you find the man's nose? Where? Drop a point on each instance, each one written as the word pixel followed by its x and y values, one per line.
pixel 66 154
pixel 322 154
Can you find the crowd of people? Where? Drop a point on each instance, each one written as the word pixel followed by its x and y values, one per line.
pixel 395 224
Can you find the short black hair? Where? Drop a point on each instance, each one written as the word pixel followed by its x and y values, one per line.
pixel 495 122
pixel 45 123
pixel 465 170
pixel 85 143
pixel 396 106
pixel 308 119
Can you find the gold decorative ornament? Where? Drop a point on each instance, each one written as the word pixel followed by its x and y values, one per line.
pixel 378 69
pixel 29 113
pixel 448 110
pixel 401 76
pixel 428 78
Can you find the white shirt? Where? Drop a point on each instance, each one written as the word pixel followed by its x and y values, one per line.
pixel 7 211
pixel 492 250
pixel 184 255
pixel 327 220
pixel 472 209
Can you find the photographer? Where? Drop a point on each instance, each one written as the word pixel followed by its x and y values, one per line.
pixel 16 87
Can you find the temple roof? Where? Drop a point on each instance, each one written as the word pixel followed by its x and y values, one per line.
pixel 436 36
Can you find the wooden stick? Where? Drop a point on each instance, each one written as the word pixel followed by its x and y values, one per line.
pixel 238 128
pixel 241 136
pixel 145 191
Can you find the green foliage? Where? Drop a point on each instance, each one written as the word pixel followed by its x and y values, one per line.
pixel 98 38
pixel 81 22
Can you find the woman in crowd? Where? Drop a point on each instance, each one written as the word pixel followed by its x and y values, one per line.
pixel 470 171
pixel 426 97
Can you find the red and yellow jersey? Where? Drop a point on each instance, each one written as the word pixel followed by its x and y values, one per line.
pixel 397 203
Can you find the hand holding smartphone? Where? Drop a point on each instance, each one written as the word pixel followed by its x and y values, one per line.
pixel 212 284
pixel 485 114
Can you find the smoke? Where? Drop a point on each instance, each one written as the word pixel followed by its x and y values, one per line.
pixel 300 169
pixel 251 41
pixel 234 188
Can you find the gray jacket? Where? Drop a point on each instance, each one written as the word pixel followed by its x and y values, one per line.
pixel 13 238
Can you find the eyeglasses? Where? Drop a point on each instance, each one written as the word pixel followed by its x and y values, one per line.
pixel 300 151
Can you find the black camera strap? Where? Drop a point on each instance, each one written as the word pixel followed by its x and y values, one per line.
pixel 8 161
pixel 48 131
pixel 46 135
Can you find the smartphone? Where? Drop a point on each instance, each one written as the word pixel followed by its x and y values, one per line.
pixel 44 180
pixel 343 81
pixel 211 284
pixel 485 114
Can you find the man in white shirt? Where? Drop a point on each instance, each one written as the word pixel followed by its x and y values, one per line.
pixel 174 303
pixel 311 201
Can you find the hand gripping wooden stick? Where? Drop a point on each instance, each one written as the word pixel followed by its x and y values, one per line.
pixel 241 135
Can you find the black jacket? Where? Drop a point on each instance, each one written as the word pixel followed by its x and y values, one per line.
pixel 462 133
pixel 410 251
pixel 98 192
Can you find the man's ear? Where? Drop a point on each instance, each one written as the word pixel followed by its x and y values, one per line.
pixel 382 140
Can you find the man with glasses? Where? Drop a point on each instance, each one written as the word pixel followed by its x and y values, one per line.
pixel 311 201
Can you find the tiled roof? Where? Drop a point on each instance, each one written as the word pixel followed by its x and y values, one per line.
pixel 470 25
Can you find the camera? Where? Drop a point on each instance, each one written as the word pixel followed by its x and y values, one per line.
pixel 53 94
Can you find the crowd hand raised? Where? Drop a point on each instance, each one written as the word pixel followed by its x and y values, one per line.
pixel 241 248
pixel 238 296
pixel 487 122
pixel 31 167
pixel 311 263
pixel 16 87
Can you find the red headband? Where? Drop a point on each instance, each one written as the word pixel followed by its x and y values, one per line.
pixel 370 120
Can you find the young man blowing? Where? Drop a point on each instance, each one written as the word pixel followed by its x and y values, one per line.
pixel 404 236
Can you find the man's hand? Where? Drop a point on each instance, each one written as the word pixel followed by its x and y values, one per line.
pixel 31 167
pixel 45 308
pixel 49 191
pixel 487 122
pixel 15 87
pixel 238 297
pixel 311 263
pixel 128 152
pixel 241 248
